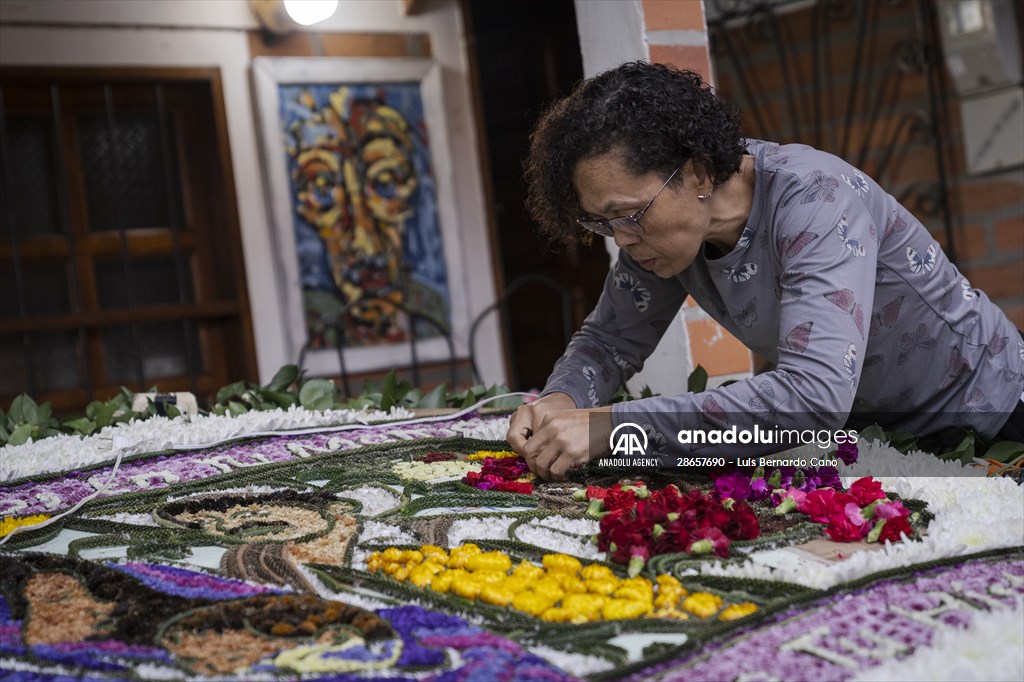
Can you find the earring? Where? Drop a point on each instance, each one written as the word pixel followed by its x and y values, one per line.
pixel 704 196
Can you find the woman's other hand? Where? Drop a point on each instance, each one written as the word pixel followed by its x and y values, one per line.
pixel 526 420
pixel 556 437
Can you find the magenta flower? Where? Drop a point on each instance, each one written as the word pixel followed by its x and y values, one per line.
pixel 736 485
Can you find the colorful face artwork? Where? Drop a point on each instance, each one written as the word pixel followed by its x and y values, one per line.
pixel 367 235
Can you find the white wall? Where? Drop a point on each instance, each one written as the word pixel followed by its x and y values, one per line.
pixel 211 33
pixel 612 33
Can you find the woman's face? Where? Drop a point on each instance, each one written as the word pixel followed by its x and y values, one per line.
pixel 675 225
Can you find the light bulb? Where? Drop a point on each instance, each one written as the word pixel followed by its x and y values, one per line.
pixel 309 12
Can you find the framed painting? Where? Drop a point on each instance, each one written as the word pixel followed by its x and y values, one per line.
pixel 365 230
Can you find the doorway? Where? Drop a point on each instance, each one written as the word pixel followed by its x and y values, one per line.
pixel 525 55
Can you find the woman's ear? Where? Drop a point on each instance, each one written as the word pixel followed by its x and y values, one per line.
pixel 703 184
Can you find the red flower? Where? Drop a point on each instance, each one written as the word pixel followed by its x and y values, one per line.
pixel 842 528
pixel 432 457
pixel 616 498
pixel 521 487
pixel 595 492
pixel 822 504
pixel 508 468
pixel 674 538
pixel 649 512
pixel 893 527
pixel 709 541
pixel 743 523
pixel 866 491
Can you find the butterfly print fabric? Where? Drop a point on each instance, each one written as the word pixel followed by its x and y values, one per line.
pixel 831 279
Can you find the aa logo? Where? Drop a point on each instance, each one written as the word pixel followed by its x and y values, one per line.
pixel 628 440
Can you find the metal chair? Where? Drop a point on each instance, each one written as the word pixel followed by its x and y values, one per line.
pixel 502 303
pixel 413 316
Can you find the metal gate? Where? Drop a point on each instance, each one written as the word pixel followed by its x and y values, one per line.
pixel 861 79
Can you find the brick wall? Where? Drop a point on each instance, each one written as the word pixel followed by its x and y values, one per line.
pixel 676 35
pixel 986 212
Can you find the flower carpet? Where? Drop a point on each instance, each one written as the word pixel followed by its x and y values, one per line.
pixel 412 550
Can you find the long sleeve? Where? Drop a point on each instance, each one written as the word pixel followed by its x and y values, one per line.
pixel 631 316
pixel 800 289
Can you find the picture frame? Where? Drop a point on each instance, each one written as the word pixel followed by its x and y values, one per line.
pixel 273 79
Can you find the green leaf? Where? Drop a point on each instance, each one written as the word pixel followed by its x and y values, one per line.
pixel 105 413
pixel 20 435
pixel 507 403
pixel 698 381
pixel 390 384
pixel 436 397
pixel 93 408
pixel 903 442
pixel 1005 451
pixel 24 410
pixel 873 432
pixel 284 378
pixel 965 450
pixel 317 394
pixel 80 425
pixel 279 398
pixel 359 403
pixel 171 410
pixel 236 408
pixel 230 391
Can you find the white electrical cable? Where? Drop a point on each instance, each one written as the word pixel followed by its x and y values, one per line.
pixel 92 496
pixel 351 427
pixel 295 432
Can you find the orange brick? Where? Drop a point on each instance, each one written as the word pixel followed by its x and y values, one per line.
pixel 1016 314
pixel 693 57
pixel 1005 280
pixel 985 195
pixel 971 243
pixel 673 15
pixel 1010 234
pixel 716 349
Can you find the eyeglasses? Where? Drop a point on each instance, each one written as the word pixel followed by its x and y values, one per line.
pixel 627 224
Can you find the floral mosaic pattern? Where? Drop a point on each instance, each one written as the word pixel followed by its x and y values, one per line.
pixel 325 556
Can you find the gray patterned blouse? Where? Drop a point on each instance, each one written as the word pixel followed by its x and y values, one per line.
pixel 839 285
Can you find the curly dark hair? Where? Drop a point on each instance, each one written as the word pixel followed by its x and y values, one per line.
pixel 657 117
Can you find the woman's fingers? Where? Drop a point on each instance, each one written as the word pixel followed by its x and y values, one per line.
pixel 520 429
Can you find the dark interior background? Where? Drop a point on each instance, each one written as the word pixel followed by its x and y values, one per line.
pixel 527 54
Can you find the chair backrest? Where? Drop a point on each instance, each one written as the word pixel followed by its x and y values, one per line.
pixel 414 317
pixel 514 287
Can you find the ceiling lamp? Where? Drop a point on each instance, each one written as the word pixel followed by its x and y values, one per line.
pixel 309 12
pixel 278 17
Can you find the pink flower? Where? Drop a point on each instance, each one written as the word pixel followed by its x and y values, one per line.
pixel 853 514
pixel 891 510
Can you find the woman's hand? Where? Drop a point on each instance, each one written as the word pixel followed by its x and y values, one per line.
pixel 554 437
pixel 527 418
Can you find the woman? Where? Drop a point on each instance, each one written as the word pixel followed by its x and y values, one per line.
pixel 802 257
